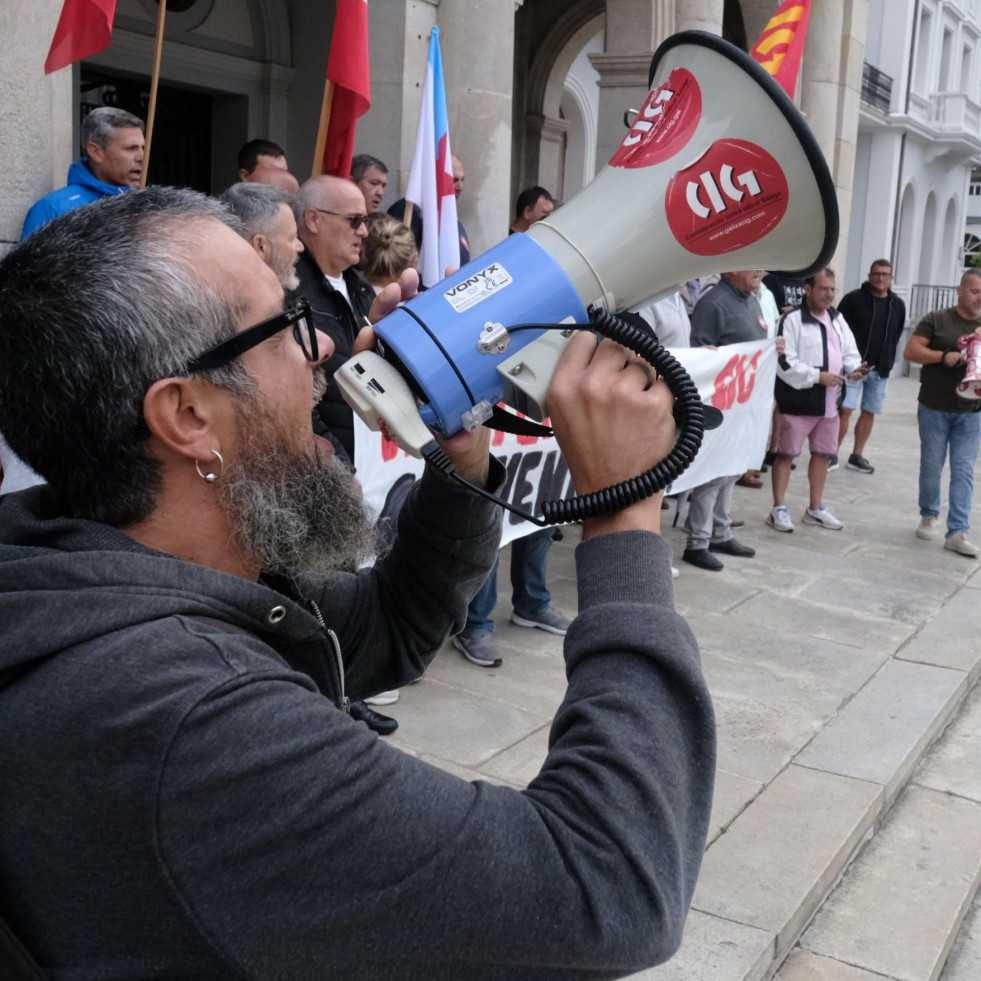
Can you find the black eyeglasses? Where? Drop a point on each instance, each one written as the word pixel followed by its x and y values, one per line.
pixel 355 221
pixel 299 317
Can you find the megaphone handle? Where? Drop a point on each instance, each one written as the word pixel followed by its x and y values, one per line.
pixel 688 412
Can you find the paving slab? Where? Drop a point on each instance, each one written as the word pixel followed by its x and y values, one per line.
pixel 732 795
pixel 520 764
pixel 953 765
pixel 802 965
pixel 714 949
pixel 884 730
pixel 779 858
pixel 953 640
pixel 899 906
pixel 922 555
pixel 771 701
pixel 964 962
pixel 828 622
pixel 438 720
pixel 716 592
pixel 529 679
pixel 867 595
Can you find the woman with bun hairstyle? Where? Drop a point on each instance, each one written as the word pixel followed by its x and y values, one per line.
pixel 389 249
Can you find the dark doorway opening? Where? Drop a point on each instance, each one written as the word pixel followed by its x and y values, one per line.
pixel 181 152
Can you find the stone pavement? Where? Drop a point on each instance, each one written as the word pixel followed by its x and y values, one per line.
pixel 845 840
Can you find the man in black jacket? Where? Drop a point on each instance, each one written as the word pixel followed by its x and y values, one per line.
pixel 330 216
pixel 876 317
pixel 331 222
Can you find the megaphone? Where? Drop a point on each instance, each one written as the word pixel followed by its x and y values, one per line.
pixel 719 171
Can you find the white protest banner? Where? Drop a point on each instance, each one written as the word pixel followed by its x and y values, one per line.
pixel 737 379
pixel 534 466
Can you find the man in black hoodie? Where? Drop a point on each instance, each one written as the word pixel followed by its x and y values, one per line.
pixel 183 792
pixel 876 317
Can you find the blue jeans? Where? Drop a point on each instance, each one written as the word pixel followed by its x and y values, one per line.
pixel 960 432
pixel 529 594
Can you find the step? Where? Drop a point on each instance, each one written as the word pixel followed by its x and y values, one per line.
pixel 774 866
pixel 898 909
pixel 964 963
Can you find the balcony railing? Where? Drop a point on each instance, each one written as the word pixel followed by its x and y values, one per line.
pixel 876 87
pixel 955 111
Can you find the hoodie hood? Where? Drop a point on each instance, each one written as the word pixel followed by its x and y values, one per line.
pixel 79 173
pixel 65 581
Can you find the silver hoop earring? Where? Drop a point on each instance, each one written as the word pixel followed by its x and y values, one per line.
pixel 211 477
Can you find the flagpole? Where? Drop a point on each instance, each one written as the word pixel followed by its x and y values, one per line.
pixel 158 52
pixel 318 154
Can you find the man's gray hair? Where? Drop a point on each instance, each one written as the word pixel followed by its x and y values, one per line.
pixel 96 306
pixel 100 125
pixel 255 205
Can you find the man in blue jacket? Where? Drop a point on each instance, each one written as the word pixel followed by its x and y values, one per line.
pixel 112 141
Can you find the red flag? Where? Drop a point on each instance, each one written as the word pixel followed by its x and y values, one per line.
pixel 781 45
pixel 84 29
pixel 348 71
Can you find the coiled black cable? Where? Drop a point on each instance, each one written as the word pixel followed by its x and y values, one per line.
pixel 689 415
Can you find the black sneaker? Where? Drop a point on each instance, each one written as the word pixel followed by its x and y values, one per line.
pixel 859 463
pixel 832 462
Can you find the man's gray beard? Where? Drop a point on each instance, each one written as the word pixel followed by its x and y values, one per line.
pixel 293 513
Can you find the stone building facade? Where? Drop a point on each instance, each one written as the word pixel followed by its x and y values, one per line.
pixel 536 88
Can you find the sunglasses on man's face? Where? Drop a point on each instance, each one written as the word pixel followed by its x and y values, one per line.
pixel 299 317
pixel 355 221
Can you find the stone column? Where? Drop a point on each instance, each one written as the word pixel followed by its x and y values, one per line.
pixel 477 40
pixel 699 15
pixel 398 32
pixel 831 80
pixel 35 113
pixel 551 158
pixel 634 28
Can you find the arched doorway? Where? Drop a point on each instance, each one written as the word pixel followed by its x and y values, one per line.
pixel 224 78
pixel 950 263
pixel 905 257
pixel 929 238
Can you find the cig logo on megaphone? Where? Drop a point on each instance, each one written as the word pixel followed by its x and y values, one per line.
pixel 732 196
pixel 664 125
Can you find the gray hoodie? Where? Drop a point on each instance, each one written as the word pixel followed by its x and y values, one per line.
pixel 179 799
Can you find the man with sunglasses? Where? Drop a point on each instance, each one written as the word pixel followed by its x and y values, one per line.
pixel 331 222
pixel 183 794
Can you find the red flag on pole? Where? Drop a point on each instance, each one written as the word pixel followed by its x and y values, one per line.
pixel 350 78
pixel 84 29
pixel 781 45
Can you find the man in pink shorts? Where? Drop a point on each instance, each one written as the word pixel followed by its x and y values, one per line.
pixel 820 353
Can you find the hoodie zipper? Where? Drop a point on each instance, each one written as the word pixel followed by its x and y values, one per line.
pixel 345 701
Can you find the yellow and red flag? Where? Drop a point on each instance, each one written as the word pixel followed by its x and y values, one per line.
pixel 781 45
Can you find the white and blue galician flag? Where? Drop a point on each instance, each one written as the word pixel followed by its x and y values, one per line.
pixel 431 178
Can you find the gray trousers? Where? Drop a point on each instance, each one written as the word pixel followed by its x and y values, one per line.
pixel 708 513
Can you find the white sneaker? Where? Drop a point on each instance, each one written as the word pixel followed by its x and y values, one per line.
pixel 823 517
pixel 779 519
pixel 383 698
pixel 958 543
pixel 674 573
pixel 928 527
